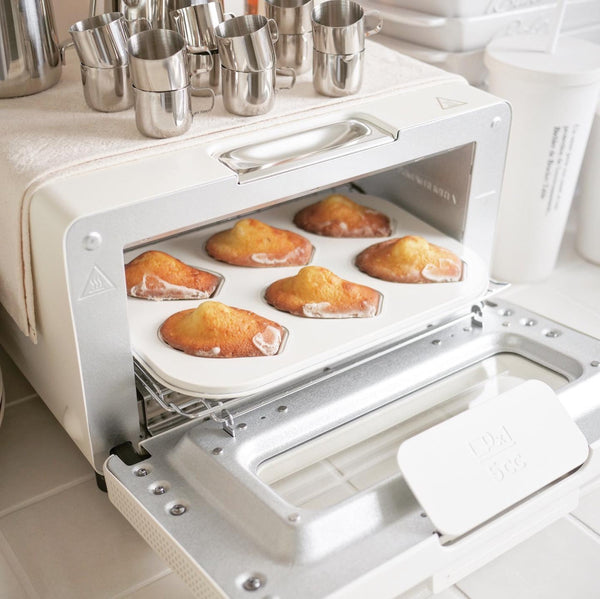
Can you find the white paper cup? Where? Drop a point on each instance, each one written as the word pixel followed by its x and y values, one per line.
pixel 588 216
pixel 553 99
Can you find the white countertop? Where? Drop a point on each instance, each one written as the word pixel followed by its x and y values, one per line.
pixel 61 538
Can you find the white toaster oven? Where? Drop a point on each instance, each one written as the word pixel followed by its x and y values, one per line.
pixel 282 476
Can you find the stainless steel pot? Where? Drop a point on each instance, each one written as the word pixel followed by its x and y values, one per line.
pixel 339 27
pixel 29 52
pixel 252 93
pixel 246 43
pixel 337 75
pixel 107 89
pixel 295 51
pixel 155 11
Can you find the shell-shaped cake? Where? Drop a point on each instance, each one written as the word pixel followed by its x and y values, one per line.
pixel 215 330
pixel 339 216
pixel 155 275
pixel 410 259
pixel 316 292
pixel 253 243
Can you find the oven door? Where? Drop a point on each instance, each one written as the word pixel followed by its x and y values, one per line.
pixel 307 498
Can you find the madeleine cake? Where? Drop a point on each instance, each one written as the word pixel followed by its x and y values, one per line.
pixel 156 275
pixel 339 216
pixel 215 330
pixel 410 259
pixel 253 243
pixel 316 292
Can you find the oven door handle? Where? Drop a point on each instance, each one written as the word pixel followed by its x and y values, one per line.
pixel 289 152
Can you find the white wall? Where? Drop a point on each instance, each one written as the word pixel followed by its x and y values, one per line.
pixel 67 12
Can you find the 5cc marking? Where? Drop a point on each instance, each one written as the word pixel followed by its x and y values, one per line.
pixel 505 466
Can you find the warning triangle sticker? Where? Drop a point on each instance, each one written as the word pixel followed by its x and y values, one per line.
pixel 446 103
pixel 97 282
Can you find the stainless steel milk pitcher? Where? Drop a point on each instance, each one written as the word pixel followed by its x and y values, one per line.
pixel 29 52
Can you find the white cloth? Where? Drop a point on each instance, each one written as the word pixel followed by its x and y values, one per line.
pixel 54 134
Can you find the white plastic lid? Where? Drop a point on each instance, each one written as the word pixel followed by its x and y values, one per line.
pixel 575 62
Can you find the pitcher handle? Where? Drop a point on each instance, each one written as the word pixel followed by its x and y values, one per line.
pixel 62 48
pixel 210 93
pixel 290 73
pixel 273 30
pixel 377 28
pixel 176 20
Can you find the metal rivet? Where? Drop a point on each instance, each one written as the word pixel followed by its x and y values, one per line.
pixel 553 334
pixel 294 517
pixel 423 515
pixel 496 122
pixel 141 472
pixel 436 342
pixel 159 490
pixel 507 312
pixel 529 322
pixel 217 451
pixel 595 363
pixel 92 241
pixel 177 510
pixel 467 329
pixel 252 584
pixel 242 426
pixel 506 324
pixel 282 409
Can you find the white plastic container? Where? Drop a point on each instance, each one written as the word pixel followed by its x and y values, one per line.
pixel 474 33
pixel 467 64
pixel 553 99
pixel 465 8
pixel 588 217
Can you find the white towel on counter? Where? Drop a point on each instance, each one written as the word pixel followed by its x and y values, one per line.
pixel 54 134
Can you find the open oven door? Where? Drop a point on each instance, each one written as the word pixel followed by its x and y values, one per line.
pixel 415 465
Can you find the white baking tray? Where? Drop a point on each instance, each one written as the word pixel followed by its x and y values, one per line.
pixel 312 344
pixel 472 33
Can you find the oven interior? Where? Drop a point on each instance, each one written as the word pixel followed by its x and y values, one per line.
pixel 427 196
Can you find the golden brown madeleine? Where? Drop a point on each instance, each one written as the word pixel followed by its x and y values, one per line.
pixel 214 330
pixel 410 259
pixel 155 275
pixel 339 216
pixel 253 243
pixel 316 292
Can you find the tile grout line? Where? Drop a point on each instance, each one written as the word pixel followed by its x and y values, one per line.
pixel 583 526
pixel 42 496
pixel 16 568
pixel 141 585
pixel 15 402
pixel 459 591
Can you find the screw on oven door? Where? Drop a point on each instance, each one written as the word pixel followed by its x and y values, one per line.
pixel 217 451
pixel 92 241
pixel 142 472
pixel 253 583
pixel 177 510
pixel 594 363
pixel 159 490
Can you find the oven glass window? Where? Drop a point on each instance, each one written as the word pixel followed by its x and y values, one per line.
pixel 368 454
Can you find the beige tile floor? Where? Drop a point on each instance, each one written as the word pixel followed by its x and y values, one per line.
pixel 61 538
